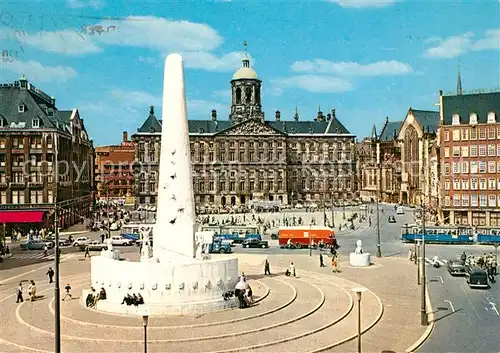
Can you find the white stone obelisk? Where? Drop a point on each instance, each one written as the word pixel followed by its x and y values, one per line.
pixel 174 232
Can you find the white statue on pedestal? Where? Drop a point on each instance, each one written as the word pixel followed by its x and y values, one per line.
pixel 359 249
pixel 146 245
pixel 199 246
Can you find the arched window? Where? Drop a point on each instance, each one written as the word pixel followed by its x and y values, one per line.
pixel 248 95
pixel 238 95
pixel 411 157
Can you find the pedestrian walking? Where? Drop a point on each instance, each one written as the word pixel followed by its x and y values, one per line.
pixel 267 270
pixel 50 273
pixel 45 250
pixel 321 263
pixel 87 251
pixel 292 270
pixel 102 237
pixel 20 293
pixel 68 292
pixel 32 290
pixel 335 264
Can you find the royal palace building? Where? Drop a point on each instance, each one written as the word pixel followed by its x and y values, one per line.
pixel 46 158
pixel 248 158
pixel 470 158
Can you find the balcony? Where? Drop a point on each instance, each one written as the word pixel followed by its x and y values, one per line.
pixel 35 184
pixel 17 184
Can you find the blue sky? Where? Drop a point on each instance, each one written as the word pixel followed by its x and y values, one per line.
pixel 366 59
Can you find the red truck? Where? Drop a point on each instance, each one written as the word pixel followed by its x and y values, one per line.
pixel 303 236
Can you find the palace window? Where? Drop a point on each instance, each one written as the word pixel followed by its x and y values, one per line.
pixel 491 133
pixel 465 151
pixel 482 166
pixel 232 186
pixel 242 185
pixel 482 150
pixel 473 150
pixel 482 200
pixel 222 186
pixel 492 167
pixel 491 150
pixel 465 134
pixel 473 133
pixel 465 200
pixel 492 200
pixel 473 200
pixel 482 133
pixel 242 156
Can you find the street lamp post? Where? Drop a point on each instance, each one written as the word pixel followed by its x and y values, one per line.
pixel 423 309
pixel 343 209
pixel 145 324
pixel 379 252
pixel 57 292
pixel 359 291
pixel 310 239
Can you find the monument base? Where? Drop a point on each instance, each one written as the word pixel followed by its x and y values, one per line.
pixel 359 260
pixel 111 254
pixel 193 287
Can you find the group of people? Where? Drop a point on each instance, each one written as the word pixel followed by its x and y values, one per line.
pixel 93 297
pixel 487 262
pixel 31 292
pixel 335 260
pixel 133 299
pixel 243 292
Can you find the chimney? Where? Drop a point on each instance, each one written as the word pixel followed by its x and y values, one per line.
pixel 125 136
pixel 151 110
pixel 320 117
pixel 333 114
pixel 277 115
pixel 328 117
pixel 214 115
pixel 52 101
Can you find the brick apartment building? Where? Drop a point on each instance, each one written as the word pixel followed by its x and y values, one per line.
pixel 113 169
pixel 36 140
pixel 470 158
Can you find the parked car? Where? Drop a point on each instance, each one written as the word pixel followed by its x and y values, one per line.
pixel 255 243
pixel 476 277
pixel 120 241
pixel 392 219
pixel 81 241
pixel 36 244
pixel 94 245
pixel 456 268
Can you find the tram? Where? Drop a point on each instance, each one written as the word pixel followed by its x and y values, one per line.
pixel 451 234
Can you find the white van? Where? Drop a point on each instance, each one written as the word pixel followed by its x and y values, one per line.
pixel 400 210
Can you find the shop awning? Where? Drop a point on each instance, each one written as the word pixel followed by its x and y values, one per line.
pixel 21 216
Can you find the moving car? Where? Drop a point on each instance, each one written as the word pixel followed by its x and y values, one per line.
pixel 456 268
pixel 36 244
pixel 255 243
pixel 120 241
pixel 476 277
pixel 94 245
pixel 81 241
pixel 392 219
pixel 400 210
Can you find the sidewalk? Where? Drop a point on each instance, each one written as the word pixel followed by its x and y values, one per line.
pixel 392 279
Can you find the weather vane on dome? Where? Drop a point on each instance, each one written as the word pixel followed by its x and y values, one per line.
pixel 245 44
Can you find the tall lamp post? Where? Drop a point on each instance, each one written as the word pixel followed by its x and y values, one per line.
pixel 333 213
pixel 359 291
pixel 145 324
pixel 379 191
pixel 423 309
pixel 310 239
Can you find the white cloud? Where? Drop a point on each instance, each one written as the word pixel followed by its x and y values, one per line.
pixel 358 4
pixel 379 68
pixel 38 72
pixel 67 41
pixel 312 83
pixel 454 46
pixel 79 4
pixel 137 31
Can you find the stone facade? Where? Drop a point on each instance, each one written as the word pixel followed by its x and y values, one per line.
pixel 379 164
pixel 247 158
pixel 469 147
pixel 37 141
pixel 114 174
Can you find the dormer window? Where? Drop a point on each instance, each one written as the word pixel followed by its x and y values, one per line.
pixel 455 119
pixel 491 118
pixel 21 108
pixel 473 119
pixel 35 123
